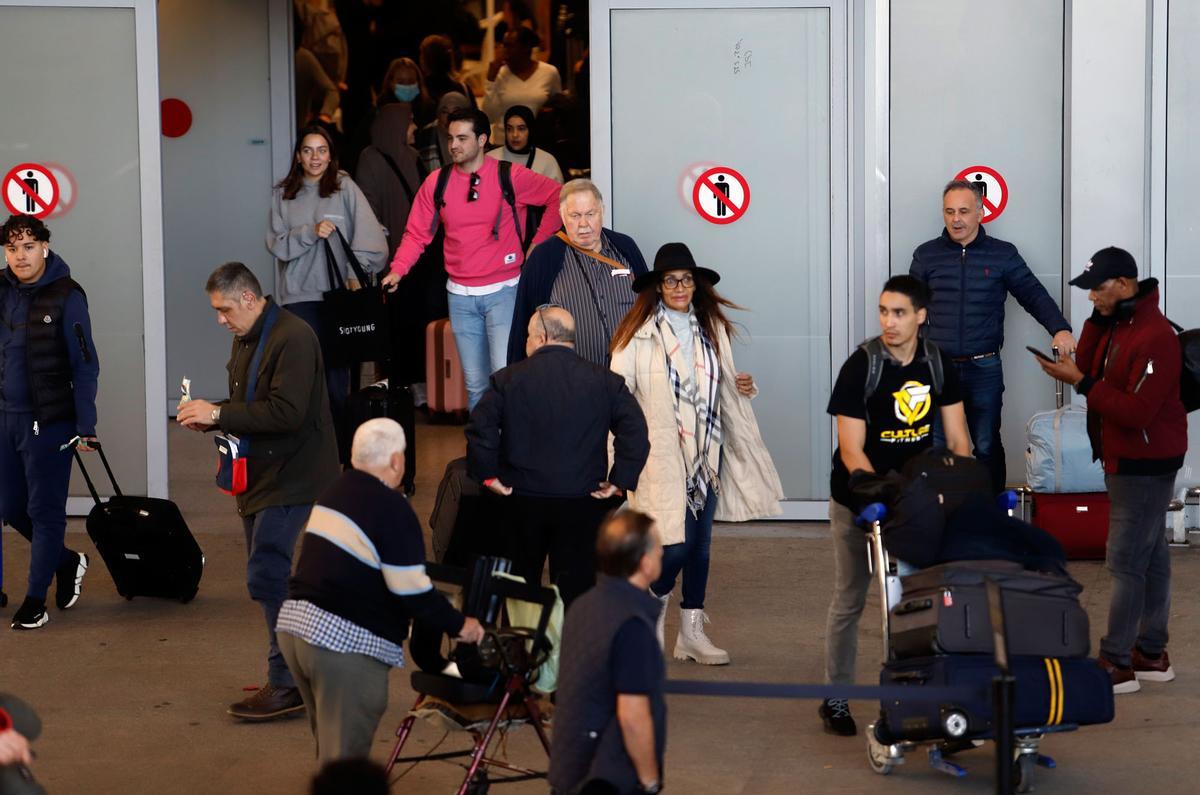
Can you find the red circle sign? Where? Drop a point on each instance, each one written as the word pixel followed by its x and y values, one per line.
pixel 721 195
pixel 993 186
pixel 176 117
pixel 30 189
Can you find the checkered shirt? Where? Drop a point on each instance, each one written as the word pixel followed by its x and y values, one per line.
pixel 329 631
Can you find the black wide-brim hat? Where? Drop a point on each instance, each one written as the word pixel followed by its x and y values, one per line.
pixel 673 257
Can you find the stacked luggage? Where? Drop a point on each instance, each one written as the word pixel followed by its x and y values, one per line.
pixel 1065 493
pixel 938 633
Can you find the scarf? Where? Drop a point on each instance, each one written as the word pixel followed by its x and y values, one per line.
pixel 697 407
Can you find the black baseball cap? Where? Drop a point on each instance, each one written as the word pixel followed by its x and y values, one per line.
pixel 1107 263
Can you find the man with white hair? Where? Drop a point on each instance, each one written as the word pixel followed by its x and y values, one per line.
pixel 586 269
pixel 359 580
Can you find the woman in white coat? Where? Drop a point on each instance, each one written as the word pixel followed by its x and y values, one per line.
pixel 707 457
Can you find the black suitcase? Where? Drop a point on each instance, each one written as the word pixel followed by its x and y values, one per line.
pixel 944 610
pixel 1049 693
pixel 467 519
pixel 145 543
pixel 381 400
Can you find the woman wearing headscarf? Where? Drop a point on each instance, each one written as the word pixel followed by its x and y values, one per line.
pixel 433 140
pixel 389 176
pixel 310 206
pixel 519 146
pixel 707 456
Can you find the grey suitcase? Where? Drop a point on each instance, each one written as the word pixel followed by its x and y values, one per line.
pixel 944 610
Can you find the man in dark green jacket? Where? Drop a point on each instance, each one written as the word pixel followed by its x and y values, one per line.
pixel 286 432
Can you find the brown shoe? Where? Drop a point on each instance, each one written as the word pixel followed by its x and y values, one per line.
pixel 1148 670
pixel 1123 678
pixel 269 703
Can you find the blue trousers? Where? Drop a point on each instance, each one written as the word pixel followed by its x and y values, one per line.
pixel 691 557
pixel 982 383
pixel 481 324
pixel 34 477
pixel 270 539
pixel 1139 562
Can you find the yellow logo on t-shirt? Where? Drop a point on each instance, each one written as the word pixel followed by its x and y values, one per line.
pixel 912 401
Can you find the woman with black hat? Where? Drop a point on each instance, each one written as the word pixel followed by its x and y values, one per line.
pixel 707 457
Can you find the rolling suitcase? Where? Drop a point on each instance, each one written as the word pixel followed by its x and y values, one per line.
pixel 382 400
pixel 444 380
pixel 145 543
pixel 944 610
pixel 1065 495
pixel 1049 692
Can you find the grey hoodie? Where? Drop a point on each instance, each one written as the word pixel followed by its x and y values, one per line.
pixel 300 255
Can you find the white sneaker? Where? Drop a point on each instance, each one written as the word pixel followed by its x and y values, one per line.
pixel 662 618
pixel 693 644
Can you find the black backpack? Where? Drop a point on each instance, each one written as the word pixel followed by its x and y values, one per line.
pixel 506 190
pixel 877 357
pixel 1189 373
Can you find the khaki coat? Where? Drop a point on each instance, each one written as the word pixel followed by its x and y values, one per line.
pixel 750 487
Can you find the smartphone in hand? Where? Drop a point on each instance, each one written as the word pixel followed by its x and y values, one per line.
pixel 1039 354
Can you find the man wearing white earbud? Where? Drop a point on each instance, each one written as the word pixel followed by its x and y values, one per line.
pixel 48 378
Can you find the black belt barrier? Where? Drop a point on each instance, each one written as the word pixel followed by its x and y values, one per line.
pixel 921 693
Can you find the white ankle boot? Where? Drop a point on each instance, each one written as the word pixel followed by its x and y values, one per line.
pixel 662 618
pixel 693 644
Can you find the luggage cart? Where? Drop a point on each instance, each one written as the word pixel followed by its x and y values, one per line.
pixel 883 754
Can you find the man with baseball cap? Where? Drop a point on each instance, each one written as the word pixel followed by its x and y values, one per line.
pixel 1128 365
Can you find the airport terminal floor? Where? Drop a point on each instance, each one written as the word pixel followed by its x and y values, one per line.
pixel 133 694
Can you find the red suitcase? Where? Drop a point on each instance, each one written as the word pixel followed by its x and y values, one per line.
pixel 446 387
pixel 1078 521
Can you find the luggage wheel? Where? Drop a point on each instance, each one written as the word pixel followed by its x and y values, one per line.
pixel 941 764
pixel 882 758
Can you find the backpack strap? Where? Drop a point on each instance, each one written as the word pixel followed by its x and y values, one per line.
pixel 408 191
pixel 876 358
pixel 439 196
pixel 933 357
pixel 510 198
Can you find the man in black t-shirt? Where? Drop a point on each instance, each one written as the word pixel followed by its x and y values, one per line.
pixel 878 432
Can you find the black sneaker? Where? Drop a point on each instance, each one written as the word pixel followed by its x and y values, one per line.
pixel 31 614
pixel 836 714
pixel 68 580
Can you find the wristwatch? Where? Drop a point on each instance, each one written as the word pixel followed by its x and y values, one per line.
pixel 216 415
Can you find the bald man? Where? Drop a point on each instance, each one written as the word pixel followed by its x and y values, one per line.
pixel 539 438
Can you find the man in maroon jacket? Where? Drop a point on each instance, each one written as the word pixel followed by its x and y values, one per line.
pixel 1128 365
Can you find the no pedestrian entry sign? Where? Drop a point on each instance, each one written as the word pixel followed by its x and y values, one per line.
pixel 721 195
pixel 30 189
pixel 993 187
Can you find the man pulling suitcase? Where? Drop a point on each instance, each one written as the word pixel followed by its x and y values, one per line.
pixel 1128 365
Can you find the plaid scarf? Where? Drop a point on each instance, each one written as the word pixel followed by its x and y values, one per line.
pixel 697 407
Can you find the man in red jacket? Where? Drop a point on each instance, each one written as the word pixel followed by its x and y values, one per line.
pixel 1128 365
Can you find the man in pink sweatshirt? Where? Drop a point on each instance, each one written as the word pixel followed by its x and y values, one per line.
pixel 483 245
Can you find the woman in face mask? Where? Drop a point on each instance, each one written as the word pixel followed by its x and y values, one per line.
pixel 403 83
pixel 518 145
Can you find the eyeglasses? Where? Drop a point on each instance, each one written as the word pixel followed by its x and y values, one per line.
pixel 472 192
pixel 687 281
pixel 542 317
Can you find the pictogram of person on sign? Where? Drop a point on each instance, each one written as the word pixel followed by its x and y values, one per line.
pixel 723 187
pixel 30 180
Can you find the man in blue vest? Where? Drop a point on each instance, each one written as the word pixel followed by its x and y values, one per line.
pixel 971 275
pixel 48 379
pixel 610 719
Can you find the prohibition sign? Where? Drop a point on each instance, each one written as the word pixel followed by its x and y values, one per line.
pixel 995 190
pixel 26 188
pixel 721 182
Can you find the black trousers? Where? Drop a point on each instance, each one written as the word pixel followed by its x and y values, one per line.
pixel 561 528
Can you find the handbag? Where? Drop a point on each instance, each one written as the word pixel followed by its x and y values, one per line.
pixel 233 477
pixel 357 321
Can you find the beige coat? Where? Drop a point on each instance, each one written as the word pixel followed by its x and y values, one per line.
pixel 750 487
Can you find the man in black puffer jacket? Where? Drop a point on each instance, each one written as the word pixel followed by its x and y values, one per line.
pixel 971 275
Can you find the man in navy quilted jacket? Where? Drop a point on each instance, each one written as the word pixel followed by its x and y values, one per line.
pixel 971 275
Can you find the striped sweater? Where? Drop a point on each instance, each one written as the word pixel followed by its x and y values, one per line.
pixel 362 557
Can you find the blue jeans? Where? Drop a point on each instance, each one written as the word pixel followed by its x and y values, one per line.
pixel 34 475
pixel 1140 565
pixel 480 324
pixel 691 557
pixel 270 539
pixel 982 383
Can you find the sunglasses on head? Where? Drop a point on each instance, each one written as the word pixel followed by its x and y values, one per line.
pixel 473 191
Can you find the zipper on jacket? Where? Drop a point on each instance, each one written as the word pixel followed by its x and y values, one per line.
pixel 962 296
pixel 1148 371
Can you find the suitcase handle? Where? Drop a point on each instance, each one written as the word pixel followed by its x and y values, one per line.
pixel 88 478
pixel 913 606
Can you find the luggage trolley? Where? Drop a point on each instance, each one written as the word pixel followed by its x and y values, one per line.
pixel 955 734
